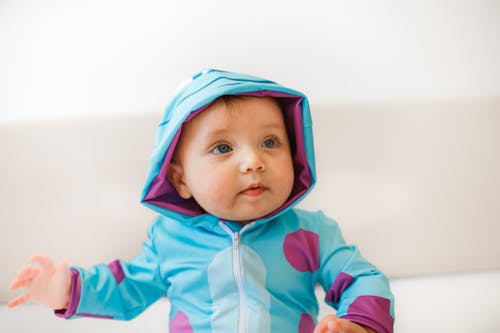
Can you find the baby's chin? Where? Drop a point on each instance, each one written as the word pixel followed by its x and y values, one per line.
pixel 248 218
pixel 241 220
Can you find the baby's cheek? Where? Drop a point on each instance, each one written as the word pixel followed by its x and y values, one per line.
pixel 217 190
pixel 215 196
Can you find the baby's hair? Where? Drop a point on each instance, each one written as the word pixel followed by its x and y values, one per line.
pixel 231 100
pixel 228 100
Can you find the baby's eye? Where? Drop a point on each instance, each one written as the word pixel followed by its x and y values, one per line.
pixel 222 148
pixel 270 143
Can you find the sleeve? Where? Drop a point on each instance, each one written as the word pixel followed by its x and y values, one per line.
pixel 354 287
pixel 120 290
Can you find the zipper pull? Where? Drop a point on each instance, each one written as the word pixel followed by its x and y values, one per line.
pixel 236 239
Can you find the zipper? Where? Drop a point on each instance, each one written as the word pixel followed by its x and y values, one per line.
pixel 238 278
pixel 238 274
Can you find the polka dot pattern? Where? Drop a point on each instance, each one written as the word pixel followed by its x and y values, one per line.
pixel 180 324
pixel 306 324
pixel 301 249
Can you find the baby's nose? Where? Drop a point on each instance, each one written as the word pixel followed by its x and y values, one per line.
pixel 251 162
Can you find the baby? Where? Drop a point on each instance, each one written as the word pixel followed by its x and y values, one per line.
pixel 233 156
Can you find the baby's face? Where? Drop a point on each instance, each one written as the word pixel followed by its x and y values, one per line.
pixel 235 159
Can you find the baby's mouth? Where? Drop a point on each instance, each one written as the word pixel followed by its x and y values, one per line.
pixel 254 190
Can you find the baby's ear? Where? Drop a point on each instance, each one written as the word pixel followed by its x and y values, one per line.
pixel 175 175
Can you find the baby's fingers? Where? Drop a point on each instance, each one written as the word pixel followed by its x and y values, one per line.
pixel 44 261
pixel 24 277
pixel 27 272
pixel 25 283
pixel 19 300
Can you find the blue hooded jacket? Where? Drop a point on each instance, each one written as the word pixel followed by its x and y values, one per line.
pixel 221 276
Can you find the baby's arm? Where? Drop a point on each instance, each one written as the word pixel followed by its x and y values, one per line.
pixel 355 288
pixel 333 324
pixel 46 283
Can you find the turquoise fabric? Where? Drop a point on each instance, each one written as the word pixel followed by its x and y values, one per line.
pixel 222 277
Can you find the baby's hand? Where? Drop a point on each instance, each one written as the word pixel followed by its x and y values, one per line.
pixel 47 284
pixel 333 324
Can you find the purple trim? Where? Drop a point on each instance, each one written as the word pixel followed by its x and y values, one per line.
pixel 88 315
pixel 116 268
pixel 341 283
pixel 162 194
pixel 292 106
pixel 373 312
pixel 74 299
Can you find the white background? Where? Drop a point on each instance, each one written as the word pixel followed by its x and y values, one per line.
pixel 79 57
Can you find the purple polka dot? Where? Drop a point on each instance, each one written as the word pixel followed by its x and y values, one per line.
pixel 301 250
pixel 306 324
pixel 180 324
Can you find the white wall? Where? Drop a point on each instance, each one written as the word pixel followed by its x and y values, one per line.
pixel 62 57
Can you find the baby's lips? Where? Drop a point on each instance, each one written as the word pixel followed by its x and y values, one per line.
pixel 254 190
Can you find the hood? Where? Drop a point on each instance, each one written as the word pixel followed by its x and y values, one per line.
pixel 196 95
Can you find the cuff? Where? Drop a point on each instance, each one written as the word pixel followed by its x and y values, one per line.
pixel 373 312
pixel 367 322
pixel 74 299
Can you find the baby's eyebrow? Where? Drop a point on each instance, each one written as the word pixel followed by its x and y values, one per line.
pixel 216 132
pixel 222 131
pixel 275 126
